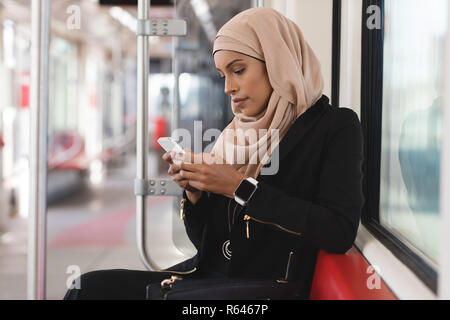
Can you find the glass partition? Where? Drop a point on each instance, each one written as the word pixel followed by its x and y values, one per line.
pixel 412 122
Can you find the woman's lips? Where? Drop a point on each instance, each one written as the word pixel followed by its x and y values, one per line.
pixel 239 102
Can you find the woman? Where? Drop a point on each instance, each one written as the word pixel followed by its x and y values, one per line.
pixel 313 199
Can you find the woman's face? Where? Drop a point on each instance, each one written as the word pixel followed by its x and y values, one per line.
pixel 246 81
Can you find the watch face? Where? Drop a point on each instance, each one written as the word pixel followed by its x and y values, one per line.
pixel 245 190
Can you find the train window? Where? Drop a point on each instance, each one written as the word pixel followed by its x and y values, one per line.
pixel 412 81
pixel 63 91
pixel 8 43
pixel 401 115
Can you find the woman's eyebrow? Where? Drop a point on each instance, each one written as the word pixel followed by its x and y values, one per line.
pixel 229 64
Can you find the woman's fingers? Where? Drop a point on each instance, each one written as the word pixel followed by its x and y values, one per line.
pixel 187 175
pixel 167 157
pixel 196 185
pixel 184 169
pixel 185 166
pixel 177 160
pixel 188 156
pixel 173 169
pixel 184 183
pixel 178 178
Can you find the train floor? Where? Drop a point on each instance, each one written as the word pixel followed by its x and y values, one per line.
pixel 93 229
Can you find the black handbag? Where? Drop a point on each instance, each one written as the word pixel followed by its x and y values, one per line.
pixel 222 289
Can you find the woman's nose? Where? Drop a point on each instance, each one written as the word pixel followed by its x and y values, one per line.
pixel 230 86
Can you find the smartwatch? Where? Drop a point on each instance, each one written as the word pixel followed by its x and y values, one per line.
pixel 245 191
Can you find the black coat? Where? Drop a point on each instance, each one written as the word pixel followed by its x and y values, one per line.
pixel 313 202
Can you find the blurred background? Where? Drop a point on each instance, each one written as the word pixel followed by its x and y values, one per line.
pixel 91 134
pixel 92 130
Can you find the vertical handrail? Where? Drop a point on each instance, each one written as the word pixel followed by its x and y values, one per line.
pixel 176 90
pixel 258 3
pixel 143 69
pixel 37 223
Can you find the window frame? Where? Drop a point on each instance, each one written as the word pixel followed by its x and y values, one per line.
pixel 372 50
pixel 336 52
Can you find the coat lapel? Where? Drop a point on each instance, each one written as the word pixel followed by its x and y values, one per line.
pixel 301 126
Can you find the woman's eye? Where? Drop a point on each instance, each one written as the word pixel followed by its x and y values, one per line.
pixel 238 72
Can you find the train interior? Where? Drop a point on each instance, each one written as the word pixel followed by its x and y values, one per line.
pixel 365 48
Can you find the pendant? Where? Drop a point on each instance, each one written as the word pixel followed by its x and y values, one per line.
pixel 226 250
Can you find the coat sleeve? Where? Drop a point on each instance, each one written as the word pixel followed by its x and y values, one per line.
pixel 331 220
pixel 195 216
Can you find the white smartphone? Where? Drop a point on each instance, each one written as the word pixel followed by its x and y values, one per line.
pixel 169 145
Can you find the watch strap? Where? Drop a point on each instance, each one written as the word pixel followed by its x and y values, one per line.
pixel 252 180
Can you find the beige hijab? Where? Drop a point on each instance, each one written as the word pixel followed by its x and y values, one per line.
pixel 294 74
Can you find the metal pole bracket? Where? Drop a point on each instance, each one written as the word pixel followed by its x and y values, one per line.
pixel 156 187
pixel 161 27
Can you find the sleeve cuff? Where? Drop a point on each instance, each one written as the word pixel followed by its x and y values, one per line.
pixel 197 208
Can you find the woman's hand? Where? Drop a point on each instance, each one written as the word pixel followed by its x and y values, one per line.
pixel 208 175
pixel 174 172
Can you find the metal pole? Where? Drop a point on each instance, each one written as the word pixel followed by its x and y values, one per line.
pixel 258 3
pixel 143 69
pixel 176 89
pixel 40 26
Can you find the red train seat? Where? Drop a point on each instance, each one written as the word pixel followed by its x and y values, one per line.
pixel 347 277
